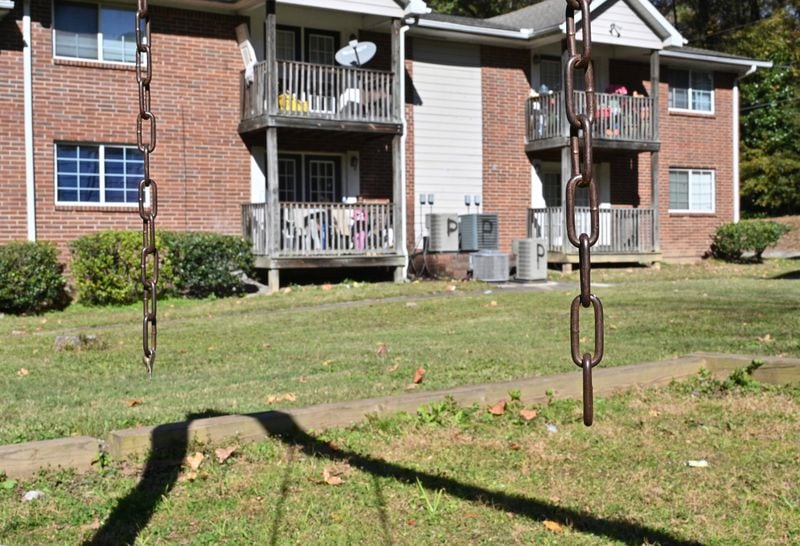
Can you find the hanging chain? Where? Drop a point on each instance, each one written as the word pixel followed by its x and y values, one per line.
pixel 146 142
pixel 581 177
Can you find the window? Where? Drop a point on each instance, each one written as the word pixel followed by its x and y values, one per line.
pixel 287 43
pixel 550 74
pixel 92 174
pixel 321 46
pixel 552 191
pixel 691 190
pixel 91 31
pixel 691 90
pixel 315 178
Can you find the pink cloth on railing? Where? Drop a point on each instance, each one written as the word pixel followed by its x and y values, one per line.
pixel 359 229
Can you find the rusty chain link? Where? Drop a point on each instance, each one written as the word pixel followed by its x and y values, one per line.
pixel 581 177
pixel 146 142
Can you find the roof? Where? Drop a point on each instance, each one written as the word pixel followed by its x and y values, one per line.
pixel 469 21
pixel 542 15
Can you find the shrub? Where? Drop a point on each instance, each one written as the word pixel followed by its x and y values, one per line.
pixel 732 240
pixel 106 267
pixel 30 278
pixel 207 263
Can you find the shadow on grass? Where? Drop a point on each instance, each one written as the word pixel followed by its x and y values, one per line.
pixel 789 275
pixel 170 443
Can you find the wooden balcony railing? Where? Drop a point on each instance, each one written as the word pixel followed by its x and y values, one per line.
pixel 622 231
pixel 306 90
pixel 617 117
pixel 322 229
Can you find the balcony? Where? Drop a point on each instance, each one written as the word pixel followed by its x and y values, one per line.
pixel 341 234
pixel 626 235
pixel 620 121
pixel 310 95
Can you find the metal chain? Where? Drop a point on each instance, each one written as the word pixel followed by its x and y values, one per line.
pixel 149 262
pixel 581 177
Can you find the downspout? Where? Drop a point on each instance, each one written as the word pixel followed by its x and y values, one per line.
pixel 736 200
pixel 27 69
pixel 403 138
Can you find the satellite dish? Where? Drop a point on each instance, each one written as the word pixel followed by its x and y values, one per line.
pixel 356 53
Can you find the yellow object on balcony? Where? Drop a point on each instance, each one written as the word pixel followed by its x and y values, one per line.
pixel 291 103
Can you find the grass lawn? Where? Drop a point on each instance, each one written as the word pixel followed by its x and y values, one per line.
pixel 451 475
pixel 233 355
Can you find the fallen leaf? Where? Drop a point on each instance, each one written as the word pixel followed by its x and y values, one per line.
pixel 553 526
pixel 223 454
pixel 327 362
pixel 22 372
pixel 302 379
pixel 287 397
pixel 411 386
pixel 492 304
pixel 134 403
pixel 766 339
pixel 451 288
pixel 19 333
pixel 194 461
pixel 411 304
pixel 513 446
pixel 499 408
pixel 287 290
pixel 418 375
pixel 331 478
pixel 266 346
pixel 528 414
pixel 654 413
pixel 391 369
pixel 327 286
pixel 382 350
pixel 188 477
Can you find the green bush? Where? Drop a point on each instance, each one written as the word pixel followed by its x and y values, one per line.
pixel 30 278
pixel 731 241
pixel 207 263
pixel 106 267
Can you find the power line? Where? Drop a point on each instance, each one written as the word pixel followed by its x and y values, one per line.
pixel 767 104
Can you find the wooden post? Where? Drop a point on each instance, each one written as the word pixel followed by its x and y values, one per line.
pixel 398 223
pixel 271 83
pixel 273 196
pixel 655 79
pixel 566 173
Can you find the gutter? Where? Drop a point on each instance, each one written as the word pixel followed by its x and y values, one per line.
pixel 521 34
pixel 735 137
pixel 27 63
pixel 713 59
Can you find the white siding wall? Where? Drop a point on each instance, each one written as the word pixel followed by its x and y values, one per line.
pixel 632 29
pixel 448 136
pixel 387 8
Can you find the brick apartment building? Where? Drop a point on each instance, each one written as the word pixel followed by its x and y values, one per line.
pixel 323 165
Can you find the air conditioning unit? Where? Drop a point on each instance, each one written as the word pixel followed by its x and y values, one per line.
pixel 443 232
pixel 479 232
pixel 489 265
pixel 531 259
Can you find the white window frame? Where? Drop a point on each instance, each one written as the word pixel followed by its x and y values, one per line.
pixel 690 173
pixel 690 91
pixel 100 48
pixel 301 173
pixel 101 174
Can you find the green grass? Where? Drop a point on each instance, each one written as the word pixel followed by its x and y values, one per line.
pixel 232 355
pixel 461 476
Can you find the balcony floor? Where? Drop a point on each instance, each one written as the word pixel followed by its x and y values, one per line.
pixel 309 122
pixel 599 143
pixel 309 262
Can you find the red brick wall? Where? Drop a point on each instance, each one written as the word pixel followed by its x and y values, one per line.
pixel 412 235
pixel 506 168
pixel 701 142
pixel 12 129
pixel 201 165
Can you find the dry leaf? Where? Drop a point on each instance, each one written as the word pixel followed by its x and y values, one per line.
pixel 327 362
pixel 492 304
pixel 287 290
pixel 302 379
pixel 22 372
pixel 528 414
pixel 391 369
pixel 451 288
pixel 287 397
pixel 266 346
pixel 19 333
pixel 418 375
pixel 411 386
pixel 327 286
pixel 188 477
pixel 382 350
pixel 331 478
pixel 134 403
pixel 513 446
pixel 194 461
pixel 553 526
pixel 223 454
pixel 411 304
pixel 499 408
pixel 766 339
